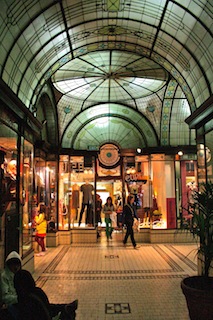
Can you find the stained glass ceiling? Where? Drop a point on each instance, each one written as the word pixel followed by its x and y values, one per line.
pixel 110 76
pixel 150 58
pixel 109 123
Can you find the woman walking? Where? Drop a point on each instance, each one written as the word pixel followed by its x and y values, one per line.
pixel 108 210
pixel 129 215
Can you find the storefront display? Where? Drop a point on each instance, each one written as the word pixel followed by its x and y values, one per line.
pixel 76 193
pixel 16 188
pixel 45 187
pixel 9 216
pixel 26 193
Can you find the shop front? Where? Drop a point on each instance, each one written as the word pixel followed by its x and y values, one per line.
pixel 16 188
pixel 160 184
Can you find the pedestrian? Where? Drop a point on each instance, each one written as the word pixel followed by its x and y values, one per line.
pixel 129 215
pixel 98 209
pixel 108 210
pixel 8 295
pixel 41 228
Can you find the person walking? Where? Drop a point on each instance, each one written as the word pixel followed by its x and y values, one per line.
pixel 129 215
pixel 41 228
pixel 98 209
pixel 108 210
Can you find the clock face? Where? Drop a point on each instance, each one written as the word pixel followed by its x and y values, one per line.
pixel 109 155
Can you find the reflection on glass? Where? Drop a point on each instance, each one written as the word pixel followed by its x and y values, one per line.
pixel 26 193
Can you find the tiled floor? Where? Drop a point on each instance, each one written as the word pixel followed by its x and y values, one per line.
pixel 114 282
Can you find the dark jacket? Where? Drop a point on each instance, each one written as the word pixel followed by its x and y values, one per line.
pixel 32 303
pixel 34 306
pixel 129 214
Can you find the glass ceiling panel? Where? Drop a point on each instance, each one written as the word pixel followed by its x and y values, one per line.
pixel 108 121
pixel 109 76
pixel 111 130
pixel 38 29
pixel 35 43
pixel 179 130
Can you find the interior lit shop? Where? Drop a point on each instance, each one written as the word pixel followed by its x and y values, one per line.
pixel 162 184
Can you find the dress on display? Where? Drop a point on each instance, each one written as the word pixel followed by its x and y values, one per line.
pixel 87 189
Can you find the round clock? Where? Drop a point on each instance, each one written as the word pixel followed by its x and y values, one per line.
pixel 109 155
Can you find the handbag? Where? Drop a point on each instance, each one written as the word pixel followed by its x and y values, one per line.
pixel 113 217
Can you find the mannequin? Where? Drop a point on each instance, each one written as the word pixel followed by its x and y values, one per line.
pixel 134 191
pixel 191 188
pixel 87 189
pixel 10 178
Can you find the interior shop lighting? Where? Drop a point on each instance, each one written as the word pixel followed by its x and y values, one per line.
pixel 88 171
pixel 180 153
pixel 131 170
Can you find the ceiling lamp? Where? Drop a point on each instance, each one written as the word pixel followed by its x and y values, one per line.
pixel 180 153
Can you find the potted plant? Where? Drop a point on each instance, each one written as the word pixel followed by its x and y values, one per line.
pixel 198 290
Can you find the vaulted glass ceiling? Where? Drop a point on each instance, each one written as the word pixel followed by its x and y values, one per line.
pixel 110 76
pixel 120 68
pixel 109 123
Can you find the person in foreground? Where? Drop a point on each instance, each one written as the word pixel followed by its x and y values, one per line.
pixel 12 265
pixel 8 296
pixel 33 303
pixel 129 214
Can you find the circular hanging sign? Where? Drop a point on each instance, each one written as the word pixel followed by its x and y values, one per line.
pixel 109 155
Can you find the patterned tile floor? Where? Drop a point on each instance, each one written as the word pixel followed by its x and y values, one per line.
pixel 113 282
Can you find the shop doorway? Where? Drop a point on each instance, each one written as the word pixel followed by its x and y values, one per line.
pixel 110 188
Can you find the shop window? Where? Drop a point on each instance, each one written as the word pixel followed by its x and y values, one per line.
pixel 76 179
pixel 9 215
pixel 26 193
pixel 51 194
pixel 209 155
pixel 45 190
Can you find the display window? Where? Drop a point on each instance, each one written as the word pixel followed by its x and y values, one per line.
pixel 189 184
pixel 209 157
pixel 76 205
pixel 205 160
pixel 9 215
pixel 137 184
pixel 150 179
pixel 26 193
pixel 45 191
pixel 51 195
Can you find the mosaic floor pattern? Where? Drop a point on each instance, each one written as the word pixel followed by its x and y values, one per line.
pixel 113 282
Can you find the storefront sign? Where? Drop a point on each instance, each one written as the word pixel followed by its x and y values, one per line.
pixel 137 176
pixel 77 164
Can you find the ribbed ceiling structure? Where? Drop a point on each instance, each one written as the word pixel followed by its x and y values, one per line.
pixel 127 72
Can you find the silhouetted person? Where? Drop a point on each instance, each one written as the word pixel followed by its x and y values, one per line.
pixel 33 303
pixel 129 215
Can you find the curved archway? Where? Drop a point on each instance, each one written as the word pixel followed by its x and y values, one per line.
pixel 109 122
pixel 46 113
